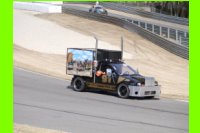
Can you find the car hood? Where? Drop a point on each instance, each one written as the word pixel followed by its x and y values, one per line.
pixel 136 78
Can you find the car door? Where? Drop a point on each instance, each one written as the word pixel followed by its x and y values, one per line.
pixel 109 76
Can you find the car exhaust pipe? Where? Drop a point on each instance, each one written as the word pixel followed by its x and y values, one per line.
pixel 122 47
pixel 95 60
pixel 96 47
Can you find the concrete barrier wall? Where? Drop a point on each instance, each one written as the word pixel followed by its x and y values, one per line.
pixel 38 7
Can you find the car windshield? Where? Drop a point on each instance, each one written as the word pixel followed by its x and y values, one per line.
pixel 99 8
pixel 123 69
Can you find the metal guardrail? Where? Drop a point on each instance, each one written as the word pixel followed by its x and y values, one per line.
pixel 133 10
pixel 173 35
pixel 166 44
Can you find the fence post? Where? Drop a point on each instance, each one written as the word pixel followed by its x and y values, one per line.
pixel 160 28
pixel 180 40
pixel 176 35
pixel 168 35
pixel 152 28
pixel 185 35
pixel 145 25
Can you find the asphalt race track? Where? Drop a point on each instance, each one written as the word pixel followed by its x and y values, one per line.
pixel 47 102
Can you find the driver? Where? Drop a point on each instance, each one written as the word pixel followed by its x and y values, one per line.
pixel 100 73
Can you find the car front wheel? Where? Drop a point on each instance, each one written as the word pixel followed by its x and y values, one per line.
pixel 123 91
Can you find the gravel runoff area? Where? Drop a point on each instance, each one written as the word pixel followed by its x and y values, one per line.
pixel 41 40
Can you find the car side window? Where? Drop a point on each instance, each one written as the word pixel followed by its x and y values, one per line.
pixel 107 67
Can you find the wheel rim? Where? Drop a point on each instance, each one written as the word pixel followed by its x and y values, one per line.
pixel 78 84
pixel 123 91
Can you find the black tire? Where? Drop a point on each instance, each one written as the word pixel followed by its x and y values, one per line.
pixel 78 84
pixel 106 13
pixel 123 91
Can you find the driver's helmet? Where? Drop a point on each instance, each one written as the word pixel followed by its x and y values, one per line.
pixel 97 3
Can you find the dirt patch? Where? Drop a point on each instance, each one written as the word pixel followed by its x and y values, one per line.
pixel 104 31
pixel 20 128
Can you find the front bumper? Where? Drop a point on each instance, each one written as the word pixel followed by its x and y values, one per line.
pixel 145 91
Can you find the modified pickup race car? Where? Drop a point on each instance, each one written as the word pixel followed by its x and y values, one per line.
pixel 105 70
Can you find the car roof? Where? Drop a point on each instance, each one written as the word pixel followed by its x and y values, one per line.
pixel 95 6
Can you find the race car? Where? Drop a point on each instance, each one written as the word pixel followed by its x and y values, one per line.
pixel 98 9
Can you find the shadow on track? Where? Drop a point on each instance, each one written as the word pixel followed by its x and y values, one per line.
pixel 110 93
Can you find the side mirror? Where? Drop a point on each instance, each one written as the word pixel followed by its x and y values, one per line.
pixel 108 72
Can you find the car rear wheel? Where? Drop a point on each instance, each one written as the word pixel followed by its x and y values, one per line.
pixel 78 84
pixel 123 91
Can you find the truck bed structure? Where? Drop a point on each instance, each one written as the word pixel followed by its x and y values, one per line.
pixel 80 61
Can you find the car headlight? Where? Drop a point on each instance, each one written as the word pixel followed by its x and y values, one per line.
pixel 139 84
pixel 156 83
